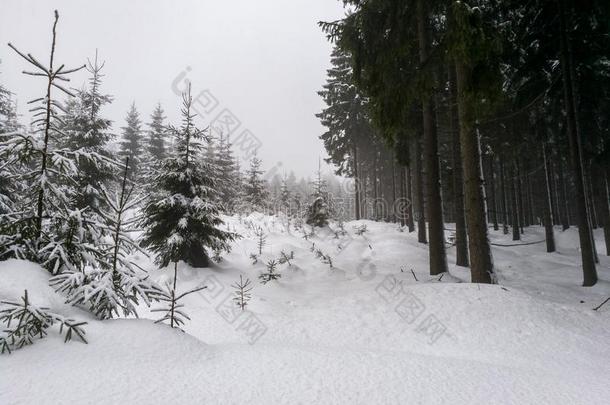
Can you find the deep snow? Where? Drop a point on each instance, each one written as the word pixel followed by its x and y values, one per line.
pixel 363 332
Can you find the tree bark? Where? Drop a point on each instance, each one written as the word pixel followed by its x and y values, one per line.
pixel 547 205
pixel 409 202
pixel 357 209
pixel 434 200
pixel 605 200
pixel 520 196
pixel 492 189
pixel 461 239
pixel 584 229
pixel 564 207
pixel 481 260
pixel 514 204
pixel 504 194
pixel 419 193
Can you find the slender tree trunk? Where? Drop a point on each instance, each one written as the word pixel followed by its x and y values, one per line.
pixel 403 198
pixel 520 196
pixel 584 229
pixel 530 196
pixel 563 197
pixel 547 206
pixel 605 200
pixel 419 193
pixel 591 198
pixel 515 203
pixel 504 194
pixel 409 189
pixel 553 187
pixel 434 200
pixel 394 199
pixel 481 261
pixel 461 239
pixel 358 211
pixel 492 188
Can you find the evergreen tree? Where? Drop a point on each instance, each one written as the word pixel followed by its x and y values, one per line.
pixel 255 187
pixel 182 219
pixel 227 181
pixel 319 211
pixel 131 142
pixel 84 129
pixel 156 135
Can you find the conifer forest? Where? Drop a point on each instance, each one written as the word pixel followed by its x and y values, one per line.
pixel 305 202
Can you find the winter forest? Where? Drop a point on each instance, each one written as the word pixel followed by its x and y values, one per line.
pixel 395 202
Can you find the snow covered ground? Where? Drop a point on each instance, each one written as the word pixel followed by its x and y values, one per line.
pixel 362 332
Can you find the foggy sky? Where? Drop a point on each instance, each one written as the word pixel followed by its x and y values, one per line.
pixel 262 60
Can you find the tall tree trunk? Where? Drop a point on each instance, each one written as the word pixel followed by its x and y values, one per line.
pixel 356 185
pixel 434 200
pixel 584 229
pixel 520 195
pixel 590 197
pixel 492 188
pixel 410 217
pixel 547 206
pixel 605 200
pixel 481 261
pixel 504 196
pixel 419 193
pixel 461 239
pixel 403 198
pixel 515 203
pixel 563 197
pixel 553 187
pixel 394 199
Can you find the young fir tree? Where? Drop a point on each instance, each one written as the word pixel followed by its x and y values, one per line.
pixel 131 143
pixel 156 135
pixel 255 187
pixel 111 285
pixel 84 129
pixel 285 195
pixel 318 212
pixel 227 182
pixel 45 226
pixel 182 219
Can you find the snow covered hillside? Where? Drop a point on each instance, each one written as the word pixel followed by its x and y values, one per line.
pixel 373 328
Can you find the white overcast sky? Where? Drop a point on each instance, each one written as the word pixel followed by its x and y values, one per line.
pixel 262 59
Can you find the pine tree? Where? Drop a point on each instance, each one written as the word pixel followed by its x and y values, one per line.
pixel 156 135
pixel 318 212
pixel 110 285
pixel 285 195
pixel 227 181
pixel 242 292
pixel 131 142
pixel 39 149
pixel 84 129
pixel 182 219
pixel 25 322
pixel 255 187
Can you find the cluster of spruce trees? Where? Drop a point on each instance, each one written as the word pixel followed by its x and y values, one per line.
pixel 500 107
pixel 71 200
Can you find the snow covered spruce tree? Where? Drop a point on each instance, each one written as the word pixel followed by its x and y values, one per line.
pixel 131 142
pixel 156 135
pixel 111 285
pixel 84 129
pixel 255 187
pixel 319 211
pixel 182 217
pixel 44 226
pixel 227 180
